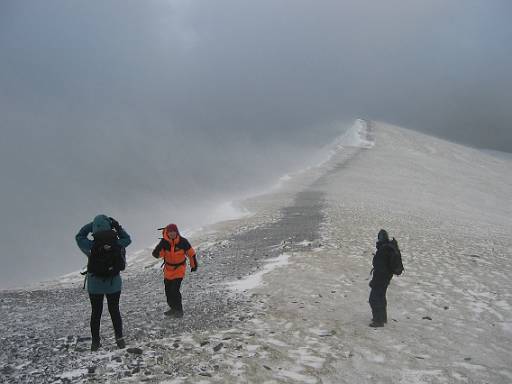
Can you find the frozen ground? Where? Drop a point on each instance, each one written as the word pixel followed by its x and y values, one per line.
pixel 281 296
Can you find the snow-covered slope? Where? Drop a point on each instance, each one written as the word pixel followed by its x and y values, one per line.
pixel 281 295
pixel 449 207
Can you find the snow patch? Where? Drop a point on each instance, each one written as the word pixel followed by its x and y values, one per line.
pixel 413 376
pixel 305 356
pixel 256 279
pixel 298 377
pixel 73 374
pixel 357 136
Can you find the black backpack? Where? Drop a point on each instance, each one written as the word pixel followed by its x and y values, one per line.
pixel 396 258
pixel 108 257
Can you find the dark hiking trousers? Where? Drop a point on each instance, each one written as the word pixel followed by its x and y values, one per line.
pixel 378 303
pixel 113 308
pixel 173 294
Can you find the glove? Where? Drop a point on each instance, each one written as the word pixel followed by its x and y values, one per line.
pixel 115 224
pixel 156 251
pixel 193 269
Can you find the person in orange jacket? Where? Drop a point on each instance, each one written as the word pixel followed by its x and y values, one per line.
pixel 174 249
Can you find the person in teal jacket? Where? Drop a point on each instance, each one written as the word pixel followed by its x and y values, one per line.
pixel 98 287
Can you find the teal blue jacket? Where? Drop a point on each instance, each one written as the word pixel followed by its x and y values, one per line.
pixel 95 284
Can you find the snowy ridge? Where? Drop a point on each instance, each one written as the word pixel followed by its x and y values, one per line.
pixel 360 135
pixel 299 266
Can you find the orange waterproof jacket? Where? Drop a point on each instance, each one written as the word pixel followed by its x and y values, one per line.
pixel 174 253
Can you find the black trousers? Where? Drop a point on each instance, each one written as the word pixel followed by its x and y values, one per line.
pixel 113 308
pixel 173 294
pixel 378 303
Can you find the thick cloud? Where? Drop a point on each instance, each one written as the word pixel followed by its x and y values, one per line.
pixel 155 110
pixel 270 67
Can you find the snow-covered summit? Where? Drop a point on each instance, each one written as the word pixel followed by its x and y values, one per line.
pixel 358 135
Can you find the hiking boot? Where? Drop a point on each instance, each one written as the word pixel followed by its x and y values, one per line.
pixel 379 317
pixel 376 324
pixel 95 345
pixel 121 344
pixel 178 314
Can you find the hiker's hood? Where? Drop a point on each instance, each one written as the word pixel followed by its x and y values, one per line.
pixel 101 223
pixel 383 236
pixel 171 228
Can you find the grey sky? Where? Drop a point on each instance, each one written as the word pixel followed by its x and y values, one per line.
pixel 131 106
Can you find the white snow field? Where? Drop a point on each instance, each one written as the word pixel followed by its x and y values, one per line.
pixel 450 208
pixel 281 295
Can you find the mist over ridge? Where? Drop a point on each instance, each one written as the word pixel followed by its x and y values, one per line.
pixel 143 181
pixel 151 111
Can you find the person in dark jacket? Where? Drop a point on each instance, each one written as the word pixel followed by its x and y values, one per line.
pixel 174 249
pixel 382 274
pixel 106 232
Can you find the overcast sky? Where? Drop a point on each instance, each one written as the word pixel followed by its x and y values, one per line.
pixel 130 106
